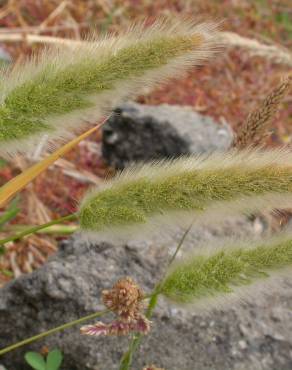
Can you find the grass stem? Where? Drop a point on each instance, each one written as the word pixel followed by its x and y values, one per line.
pixel 127 358
pixel 51 331
pixel 35 229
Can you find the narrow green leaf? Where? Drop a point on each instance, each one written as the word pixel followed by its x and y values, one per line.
pixel 3 163
pixel 19 182
pixel 6 272
pixel 32 339
pixel 11 212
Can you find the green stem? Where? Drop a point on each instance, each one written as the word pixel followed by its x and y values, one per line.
pixel 34 229
pixel 180 243
pixel 52 331
pixel 54 229
pixel 135 342
pixel 127 358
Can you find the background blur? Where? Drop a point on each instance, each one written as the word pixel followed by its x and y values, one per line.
pixel 227 89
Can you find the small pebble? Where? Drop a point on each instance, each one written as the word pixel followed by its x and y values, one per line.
pixel 242 344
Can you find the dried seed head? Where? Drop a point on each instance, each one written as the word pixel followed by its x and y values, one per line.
pixel 97 329
pixel 152 367
pixel 118 327
pixel 141 325
pixel 257 123
pixel 121 327
pixel 124 299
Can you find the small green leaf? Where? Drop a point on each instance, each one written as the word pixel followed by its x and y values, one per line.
pixel 54 360
pixel 11 212
pixel 6 272
pixel 35 360
pixel 3 163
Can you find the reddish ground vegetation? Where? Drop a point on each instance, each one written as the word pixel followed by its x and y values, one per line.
pixel 228 89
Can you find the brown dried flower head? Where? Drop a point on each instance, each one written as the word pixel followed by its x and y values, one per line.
pixel 99 328
pixel 256 126
pixel 125 299
pixel 117 327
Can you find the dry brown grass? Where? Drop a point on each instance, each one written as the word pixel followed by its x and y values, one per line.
pixel 227 89
pixel 256 126
pixel 273 52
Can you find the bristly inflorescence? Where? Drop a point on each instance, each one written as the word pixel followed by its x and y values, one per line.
pixel 64 88
pixel 216 274
pixel 256 126
pixel 156 193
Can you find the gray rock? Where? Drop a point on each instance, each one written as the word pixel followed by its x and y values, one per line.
pixel 69 286
pixel 256 335
pixel 141 133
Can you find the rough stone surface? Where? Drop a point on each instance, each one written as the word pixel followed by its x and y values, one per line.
pixel 257 335
pixel 142 133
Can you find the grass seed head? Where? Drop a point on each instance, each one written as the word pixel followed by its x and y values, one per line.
pixel 173 192
pixel 63 89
